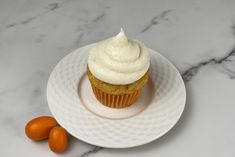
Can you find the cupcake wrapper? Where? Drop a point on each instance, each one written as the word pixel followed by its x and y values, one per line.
pixel 116 101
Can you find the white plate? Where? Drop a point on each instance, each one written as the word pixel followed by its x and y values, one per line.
pixel 72 103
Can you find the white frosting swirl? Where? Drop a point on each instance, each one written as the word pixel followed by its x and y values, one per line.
pixel 119 60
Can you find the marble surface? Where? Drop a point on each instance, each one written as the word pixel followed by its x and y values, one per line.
pixel 197 36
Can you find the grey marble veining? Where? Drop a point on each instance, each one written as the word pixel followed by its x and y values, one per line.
pixel 156 19
pixel 227 59
pixel 197 36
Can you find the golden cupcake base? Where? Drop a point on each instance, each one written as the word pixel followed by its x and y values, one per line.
pixel 117 96
pixel 116 101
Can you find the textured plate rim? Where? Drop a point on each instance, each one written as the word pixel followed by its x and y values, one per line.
pixel 133 145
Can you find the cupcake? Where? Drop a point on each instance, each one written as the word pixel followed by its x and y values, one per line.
pixel 118 70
